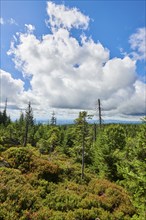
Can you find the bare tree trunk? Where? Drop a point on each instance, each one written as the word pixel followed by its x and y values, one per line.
pixel 99 111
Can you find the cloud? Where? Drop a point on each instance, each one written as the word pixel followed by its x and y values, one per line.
pixel 1 20
pixel 62 16
pixel 13 90
pixel 30 28
pixel 10 21
pixel 10 88
pixel 68 74
pixel 136 102
pixel 138 44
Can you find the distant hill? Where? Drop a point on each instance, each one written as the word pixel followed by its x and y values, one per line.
pixel 71 121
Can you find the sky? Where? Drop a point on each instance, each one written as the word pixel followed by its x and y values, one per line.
pixel 63 56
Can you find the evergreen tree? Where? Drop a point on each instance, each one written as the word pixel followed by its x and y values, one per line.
pixel 4 119
pixel 133 169
pixel 29 122
pixel 1 118
pixel 82 139
pixel 53 137
pixel 68 141
pixel 20 125
pixel 5 114
pixel 110 144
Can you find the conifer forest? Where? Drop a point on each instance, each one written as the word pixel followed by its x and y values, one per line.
pixel 80 171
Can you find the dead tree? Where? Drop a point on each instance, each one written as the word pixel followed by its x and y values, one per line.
pixel 99 110
pixel 99 113
pixel 53 119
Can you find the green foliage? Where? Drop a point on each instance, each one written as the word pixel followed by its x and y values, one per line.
pixel 4 118
pixel 44 146
pixel 68 143
pixel 112 197
pixel 133 169
pixel 8 135
pixel 54 137
pixel 16 194
pixel 43 192
pixel 44 181
pixel 29 125
pixel 19 158
pixel 2 148
pixel 83 138
pixel 46 170
pixel 48 138
pixel 120 156
pixel 108 148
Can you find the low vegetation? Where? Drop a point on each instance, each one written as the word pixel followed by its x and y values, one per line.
pixel 43 178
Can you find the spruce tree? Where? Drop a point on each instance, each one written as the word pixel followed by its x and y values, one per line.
pixel 4 119
pixel 82 138
pixel 29 122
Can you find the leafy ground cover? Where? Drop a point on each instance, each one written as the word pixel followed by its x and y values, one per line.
pixel 78 172
pixel 49 187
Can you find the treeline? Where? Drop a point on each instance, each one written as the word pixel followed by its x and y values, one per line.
pixel 4 118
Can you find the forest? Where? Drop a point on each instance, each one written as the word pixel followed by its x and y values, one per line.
pixel 81 171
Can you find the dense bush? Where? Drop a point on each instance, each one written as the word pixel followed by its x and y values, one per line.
pixel 45 193
pixel 19 158
pixel 46 170
pixel 44 181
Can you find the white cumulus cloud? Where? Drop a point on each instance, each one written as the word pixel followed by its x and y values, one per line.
pixel 62 16
pixel 10 88
pixel 13 90
pixel 138 44
pixel 30 28
pixel 69 74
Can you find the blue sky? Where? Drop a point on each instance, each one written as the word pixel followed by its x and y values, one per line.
pixel 109 24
